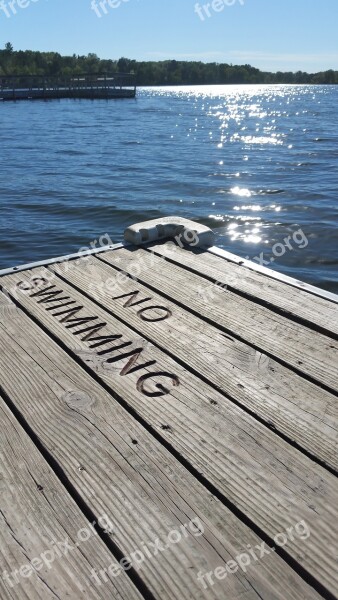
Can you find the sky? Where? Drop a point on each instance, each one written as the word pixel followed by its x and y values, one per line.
pixel 273 35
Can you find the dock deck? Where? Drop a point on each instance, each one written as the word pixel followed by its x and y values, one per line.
pixel 169 429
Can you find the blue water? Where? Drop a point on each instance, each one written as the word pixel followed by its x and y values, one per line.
pixel 256 163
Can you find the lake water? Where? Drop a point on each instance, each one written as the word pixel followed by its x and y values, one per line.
pixel 256 163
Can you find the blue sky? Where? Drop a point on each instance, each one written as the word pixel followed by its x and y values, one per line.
pixel 270 34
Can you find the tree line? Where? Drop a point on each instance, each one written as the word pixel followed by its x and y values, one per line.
pixel 167 72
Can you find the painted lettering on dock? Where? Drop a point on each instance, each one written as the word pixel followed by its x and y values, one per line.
pixel 109 347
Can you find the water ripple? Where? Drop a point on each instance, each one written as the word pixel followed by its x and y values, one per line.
pixel 257 163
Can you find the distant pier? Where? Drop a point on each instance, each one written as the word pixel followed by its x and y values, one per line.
pixel 106 86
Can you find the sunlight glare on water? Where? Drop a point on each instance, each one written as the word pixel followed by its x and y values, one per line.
pixel 255 163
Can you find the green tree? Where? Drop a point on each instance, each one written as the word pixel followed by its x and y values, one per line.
pixel 168 72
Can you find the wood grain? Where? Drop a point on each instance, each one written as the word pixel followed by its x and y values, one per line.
pixel 307 351
pixel 270 483
pixel 119 468
pixel 37 516
pixel 300 410
pixel 291 301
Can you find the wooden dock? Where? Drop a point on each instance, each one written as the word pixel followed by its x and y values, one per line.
pixel 169 426
pixel 106 86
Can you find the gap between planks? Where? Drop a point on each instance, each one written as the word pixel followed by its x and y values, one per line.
pixel 301 411
pixel 38 519
pixel 271 466
pixel 308 352
pixel 142 488
pixel 296 303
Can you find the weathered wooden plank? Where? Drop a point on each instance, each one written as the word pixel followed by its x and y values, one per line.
pixel 269 481
pixel 80 255
pixel 48 547
pixel 93 441
pixel 116 465
pixel 297 408
pixel 272 274
pixel 292 301
pixel 305 350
